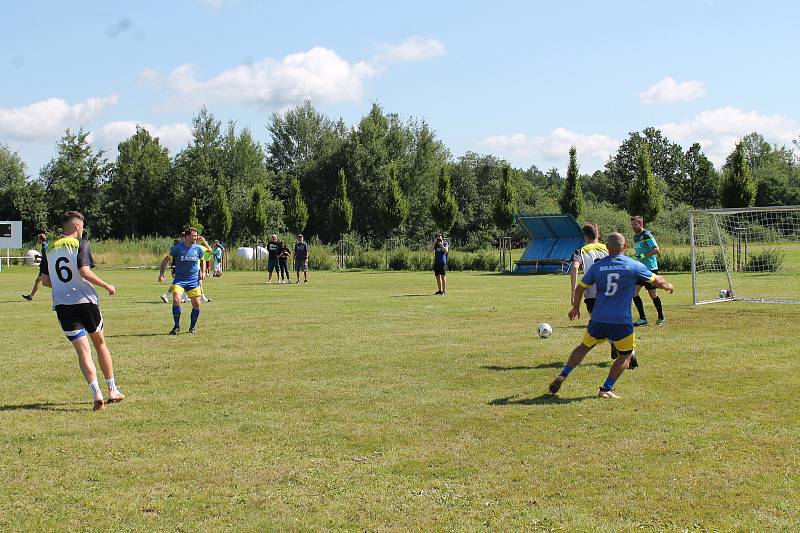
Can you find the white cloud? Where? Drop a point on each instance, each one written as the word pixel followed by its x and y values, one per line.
pixel 109 135
pixel 718 130
pixel 412 49
pixel 553 149
pixel 318 74
pixel 49 118
pixel 668 91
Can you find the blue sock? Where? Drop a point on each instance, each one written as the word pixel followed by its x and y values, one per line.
pixel 567 369
pixel 195 315
pixel 176 315
pixel 609 384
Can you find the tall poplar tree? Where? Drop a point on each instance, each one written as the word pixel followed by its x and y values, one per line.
pixel 644 196
pixel 572 198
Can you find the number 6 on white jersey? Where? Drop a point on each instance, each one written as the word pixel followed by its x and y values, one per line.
pixel 611 284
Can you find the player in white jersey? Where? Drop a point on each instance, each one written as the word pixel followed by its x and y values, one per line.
pixel 67 269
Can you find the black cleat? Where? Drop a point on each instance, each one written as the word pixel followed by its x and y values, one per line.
pixel 633 363
pixel 28 297
pixel 192 330
pixel 556 384
pixel 174 331
pixel 614 352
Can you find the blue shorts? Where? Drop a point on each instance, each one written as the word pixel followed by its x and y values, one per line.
pixel 621 335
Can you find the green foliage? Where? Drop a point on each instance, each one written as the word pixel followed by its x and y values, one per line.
pixel 444 208
pixel 505 203
pixel 139 199
pixel 341 209
pixel 767 260
pixel 394 207
pixel 644 196
pixel 224 217
pixel 572 197
pixel 20 199
pixel 194 220
pixel 259 223
pixel 737 189
pixel 76 180
pixel 702 182
pixel 666 160
pixel 296 209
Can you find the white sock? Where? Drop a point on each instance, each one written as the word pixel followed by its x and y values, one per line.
pixel 111 384
pixel 94 388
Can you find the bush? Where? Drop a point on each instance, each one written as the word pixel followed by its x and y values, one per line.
pixel 368 259
pixel 400 259
pixel 769 260
pixel 675 262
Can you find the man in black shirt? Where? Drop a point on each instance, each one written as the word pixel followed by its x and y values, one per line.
pixel 301 258
pixel 273 250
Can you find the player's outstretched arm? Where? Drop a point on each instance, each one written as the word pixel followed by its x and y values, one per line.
pixel 94 279
pixel 661 283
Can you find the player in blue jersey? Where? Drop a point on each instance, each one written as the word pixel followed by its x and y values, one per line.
pixel 615 277
pixel 645 249
pixel 189 268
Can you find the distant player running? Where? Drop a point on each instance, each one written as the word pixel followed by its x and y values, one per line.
pixel 583 259
pixel 615 277
pixel 646 249
pixel 188 256
pixel 42 240
pixel 67 269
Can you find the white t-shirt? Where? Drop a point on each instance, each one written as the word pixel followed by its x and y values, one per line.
pixel 61 262
pixel 587 256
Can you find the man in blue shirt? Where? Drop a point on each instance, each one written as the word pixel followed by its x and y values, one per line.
pixel 615 278
pixel 645 249
pixel 188 257
pixel 440 251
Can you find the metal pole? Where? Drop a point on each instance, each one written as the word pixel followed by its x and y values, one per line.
pixel 694 258
pixel 724 259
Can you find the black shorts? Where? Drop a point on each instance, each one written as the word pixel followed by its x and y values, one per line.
pixel 589 304
pixel 272 265
pixel 646 284
pixel 79 319
pixel 440 270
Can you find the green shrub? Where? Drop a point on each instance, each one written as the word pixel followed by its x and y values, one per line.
pixel 769 260
pixel 400 259
pixel 675 262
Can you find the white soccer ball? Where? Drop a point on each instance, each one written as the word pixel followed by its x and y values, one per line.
pixel 545 330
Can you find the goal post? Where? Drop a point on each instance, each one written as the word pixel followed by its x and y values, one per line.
pixel 745 254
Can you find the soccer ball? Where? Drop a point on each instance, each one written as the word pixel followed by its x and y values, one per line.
pixel 545 330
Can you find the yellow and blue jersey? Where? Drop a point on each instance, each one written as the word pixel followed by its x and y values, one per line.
pixel 187 262
pixel 615 277
pixel 643 242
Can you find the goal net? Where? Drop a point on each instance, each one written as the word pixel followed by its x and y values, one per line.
pixel 747 254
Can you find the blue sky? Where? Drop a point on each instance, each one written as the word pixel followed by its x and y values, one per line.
pixel 522 80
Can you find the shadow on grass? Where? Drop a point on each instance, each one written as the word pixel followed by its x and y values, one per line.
pixel 158 302
pixel 544 399
pixel 411 295
pixel 554 364
pixel 43 406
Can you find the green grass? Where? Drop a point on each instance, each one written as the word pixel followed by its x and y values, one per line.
pixel 360 402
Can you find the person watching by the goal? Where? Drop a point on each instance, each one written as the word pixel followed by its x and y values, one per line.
pixel 645 249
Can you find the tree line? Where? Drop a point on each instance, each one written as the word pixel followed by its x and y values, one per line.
pixel 384 177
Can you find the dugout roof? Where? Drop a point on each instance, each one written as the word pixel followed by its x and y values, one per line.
pixel 554 238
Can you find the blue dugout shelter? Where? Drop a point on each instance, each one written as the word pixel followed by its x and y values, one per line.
pixel 554 238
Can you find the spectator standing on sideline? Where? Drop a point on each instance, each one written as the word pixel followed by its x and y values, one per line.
pixel 283 263
pixel 273 250
pixel 440 250
pixel 301 258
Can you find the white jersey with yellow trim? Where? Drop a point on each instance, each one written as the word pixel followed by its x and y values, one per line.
pixel 62 263
pixel 586 256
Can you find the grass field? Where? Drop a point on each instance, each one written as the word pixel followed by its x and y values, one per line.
pixel 360 402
